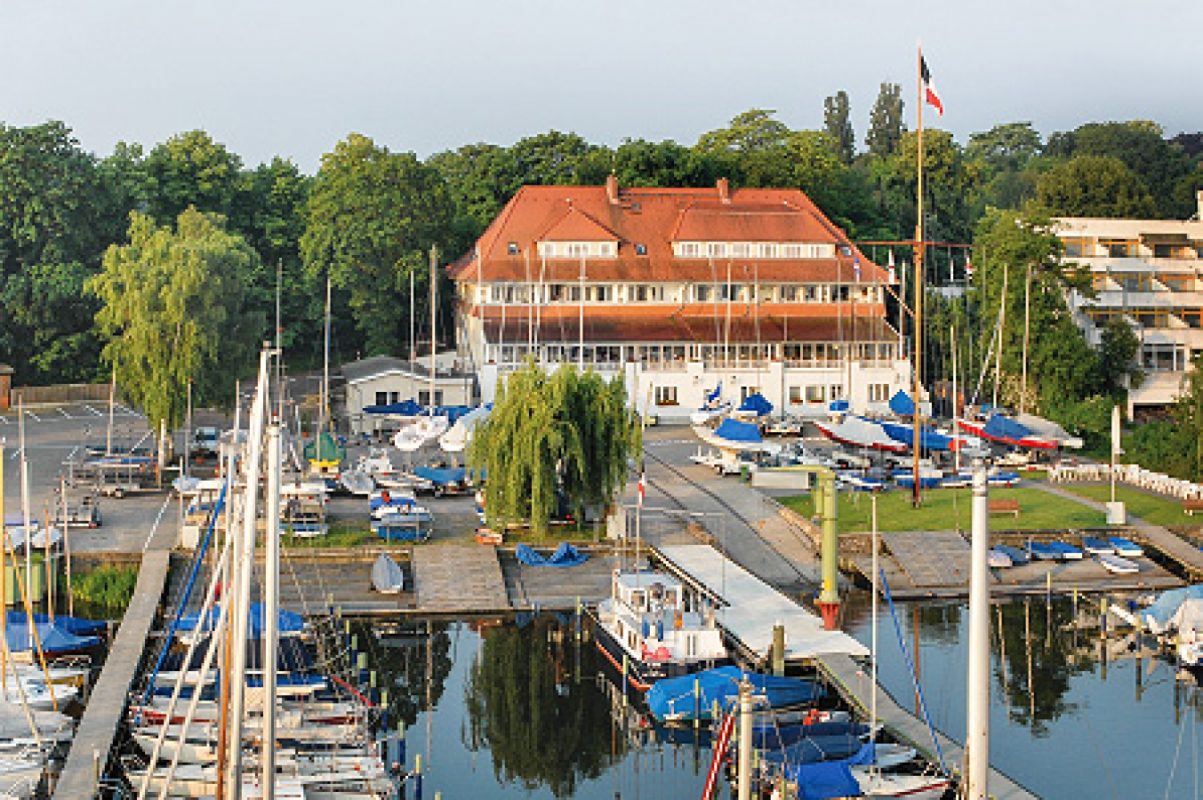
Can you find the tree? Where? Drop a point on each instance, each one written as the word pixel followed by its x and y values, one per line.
pixel 1188 413
pixel 550 158
pixel 836 122
pixel 1094 186
pixel 371 219
pixel 948 182
pixel 885 121
pixel 53 224
pixel 190 169
pixel 1118 365
pixel 552 443
pixel 172 305
pixel 637 162
pixel 1004 156
pixel 760 144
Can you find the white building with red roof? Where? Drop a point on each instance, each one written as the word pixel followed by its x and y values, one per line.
pixel 682 290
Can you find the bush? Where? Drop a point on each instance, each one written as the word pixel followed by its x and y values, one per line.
pixel 106 588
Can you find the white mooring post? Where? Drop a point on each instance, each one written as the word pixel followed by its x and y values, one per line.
pixel 977 728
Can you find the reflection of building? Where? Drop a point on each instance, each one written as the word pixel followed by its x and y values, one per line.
pixel 1148 273
pixel 681 289
pixel 384 380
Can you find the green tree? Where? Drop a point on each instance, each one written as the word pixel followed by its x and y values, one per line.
pixel 885 121
pixel 1188 414
pixel 550 158
pixel 53 224
pixel 190 169
pixel 837 123
pixel 371 218
pixel 172 305
pixel 553 441
pixel 948 183
pixel 1094 186
pixel 637 162
pixel 759 143
pixel 1118 365
pixel 1004 157
pixel 481 179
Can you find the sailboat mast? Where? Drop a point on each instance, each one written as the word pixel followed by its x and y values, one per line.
pixel 108 434
pixel 434 339
pixel 977 728
pixel 916 498
pixel 873 633
pixel 26 519
pixel 952 337
pixel 271 604
pixel 324 412
pixel 1027 329
pixel 62 493
pixel 1002 326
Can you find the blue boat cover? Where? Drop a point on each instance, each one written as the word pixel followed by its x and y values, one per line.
pixel 77 626
pixel 775 737
pixel 929 439
pixel 1168 603
pixel 812 749
pixel 1006 428
pixel 823 781
pixel 406 408
pixel 394 501
pixel 442 476
pixel 716 394
pixel 736 431
pixel 901 404
pixel 674 698
pixel 756 403
pixel 52 638
pixel 287 621
pixel 565 556
pixel 838 405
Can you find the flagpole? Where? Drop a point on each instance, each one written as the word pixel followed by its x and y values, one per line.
pixel 916 499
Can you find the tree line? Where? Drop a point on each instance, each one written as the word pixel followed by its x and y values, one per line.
pixel 164 263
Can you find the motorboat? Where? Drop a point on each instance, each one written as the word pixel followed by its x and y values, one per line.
pixel 1043 551
pixel 648 624
pixel 860 433
pixel 693 697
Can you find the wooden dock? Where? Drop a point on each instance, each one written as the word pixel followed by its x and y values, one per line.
pixel 89 754
pixel 752 607
pixel 459 579
pixel 853 682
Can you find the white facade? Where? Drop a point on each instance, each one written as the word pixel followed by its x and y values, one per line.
pixel 1150 274
pixel 383 380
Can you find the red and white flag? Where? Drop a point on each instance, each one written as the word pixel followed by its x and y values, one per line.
pixel 642 487
pixel 929 88
pixel 893 271
pixel 968 265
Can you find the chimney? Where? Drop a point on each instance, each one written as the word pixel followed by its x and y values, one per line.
pixel 612 189
pixel 724 190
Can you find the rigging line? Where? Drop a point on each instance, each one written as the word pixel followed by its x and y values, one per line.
pixel 1169 784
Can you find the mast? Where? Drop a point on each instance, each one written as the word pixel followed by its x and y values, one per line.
pixel 66 544
pixel 873 636
pixel 108 434
pixel 187 427
pixel 916 385
pixel 952 337
pixel 434 339
pixel 271 604
pixel 580 348
pixel 324 411
pixel 1002 325
pixel 25 503
pixel 413 348
pixel 1027 328
pixel 977 693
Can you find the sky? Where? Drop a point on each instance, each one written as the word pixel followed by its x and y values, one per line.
pixel 293 77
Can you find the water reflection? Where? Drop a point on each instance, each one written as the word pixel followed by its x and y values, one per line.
pixel 528 706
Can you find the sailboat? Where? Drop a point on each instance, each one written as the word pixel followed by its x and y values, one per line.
pixel 432 422
pixel 713 407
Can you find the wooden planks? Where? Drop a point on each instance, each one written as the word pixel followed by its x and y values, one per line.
pixel 458 579
pixel 930 558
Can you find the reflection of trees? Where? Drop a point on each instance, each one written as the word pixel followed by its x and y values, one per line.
pixel 1040 659
pixel 540 725
pixel 940 623
pixel 402 663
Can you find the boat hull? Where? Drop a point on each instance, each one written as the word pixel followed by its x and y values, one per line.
pixel 640 674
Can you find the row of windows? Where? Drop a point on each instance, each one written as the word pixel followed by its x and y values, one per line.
pixel 1143 282
pixel 673 355
pixel 1079 247
pixel 523 293
pixel 1148 318
pixel 572 249
pixel 811 394
pixel 387 398
pixel 753 250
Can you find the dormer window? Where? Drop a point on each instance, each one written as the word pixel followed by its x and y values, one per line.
pixel 640 249
pixel 512 249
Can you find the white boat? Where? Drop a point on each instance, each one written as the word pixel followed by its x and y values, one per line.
pixel 357 483
pixel 1117 565
pixel 420 432
pixel 875 783
pixel 456 439
pixel 860 433
pixel 387 577
pixel 646 623
pixel 999 559
pixel 38 695
pixel 731 435
pixel 709 413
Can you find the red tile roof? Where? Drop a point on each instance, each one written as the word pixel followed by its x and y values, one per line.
pixel 654 218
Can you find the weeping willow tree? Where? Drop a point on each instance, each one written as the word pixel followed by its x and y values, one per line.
pixel 553 441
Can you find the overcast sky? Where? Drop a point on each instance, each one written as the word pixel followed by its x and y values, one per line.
pixel 293 77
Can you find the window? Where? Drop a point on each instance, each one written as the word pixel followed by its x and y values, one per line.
pixel 666 395
pixel 768 250
pixel 1193 318
pixel 640 249
pixel 512 249
pixel 789 294
pixel 603 294
pixel 716 250
pixel 382 398
pixel 1134 281
pixel 1163 357
pixel 394 397
pixel 1178 283
pixel 1121 248
pixel 879 392
pixel 577 250
pixel 795 394
pixel 702 293
pixel 424 396
pixel 816 394
pixel 747 391
pixel 836 391
pixel 1151 318
pixel 1078 248
pixel 740 250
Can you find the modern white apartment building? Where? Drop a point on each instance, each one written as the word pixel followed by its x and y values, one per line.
pixel 681 290
pixel 1150 274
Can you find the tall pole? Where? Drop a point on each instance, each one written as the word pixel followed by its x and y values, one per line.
pixel 62 494
pixel 916 498
pixel 744 777
pixel 27 518
pixel 952 337
pixel 108 434
pixel 1027 328
pixel 977 727
pixel 1002 327
pixel 271 604
pixel 324 411
pixel 580 346
pixel 434 310
pixel 188 428
pixel 873 633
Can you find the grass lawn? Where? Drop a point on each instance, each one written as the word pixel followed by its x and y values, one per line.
pixel 341 534
pixel 1150 508
pixel 948 509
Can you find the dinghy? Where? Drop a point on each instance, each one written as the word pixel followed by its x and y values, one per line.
pixel 1017 555
pixel 1117 565
pixel 998 559
pixel 1096 546
pixel 387 577
pixel 1126 547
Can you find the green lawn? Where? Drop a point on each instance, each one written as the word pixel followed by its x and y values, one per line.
pixel 342 533
pixel 948 509
pixel 1150 508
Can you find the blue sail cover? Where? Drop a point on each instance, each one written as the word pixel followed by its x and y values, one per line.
pixel 757 404
pixel 901 404
pixel 736 431
pixel 929 439
pixel 838 405
pixel 1002 427
pixel 77 626
pixel 673 698
pixel 716 394
pixel 51 637
pixel 442 476
pixel 406 408
pixel 565 556
pixel 823 781
pixel 815 748
pixel 286 621
pixel 776 737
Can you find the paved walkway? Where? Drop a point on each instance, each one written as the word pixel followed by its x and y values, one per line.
pixel 458 578
pixel 1165 540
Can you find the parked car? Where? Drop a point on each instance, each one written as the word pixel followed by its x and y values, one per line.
pixel 205 442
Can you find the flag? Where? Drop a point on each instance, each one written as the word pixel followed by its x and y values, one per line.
pixel 968 266
pixel 929 89
pixel 890 264
pixel 642 488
